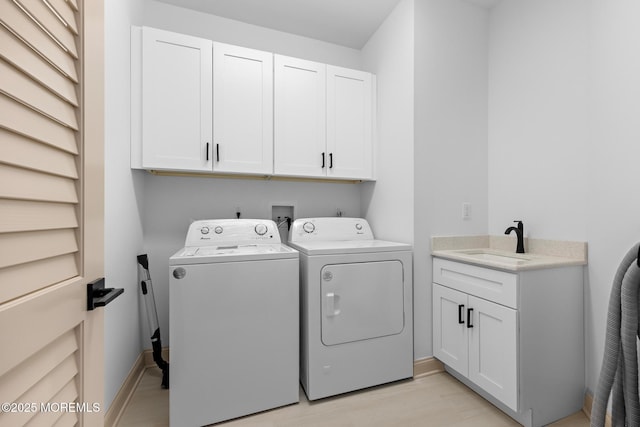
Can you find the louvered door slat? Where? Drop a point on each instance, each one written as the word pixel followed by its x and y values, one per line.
pixel 73 3
pixel 25 121
pixel 65 12
pixel 57 387
pixel 51 24
pixel 22 26
pixel 28 61
pixel 18 215
pixel 35 186
pixel 26 278
pixel 18 86
pixel 68 419
pixel 28 374
pixel 20 248
pixel 30 154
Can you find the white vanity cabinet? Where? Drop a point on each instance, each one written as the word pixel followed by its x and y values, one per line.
pixel 515 337
pixel 171 106
pixel 323 120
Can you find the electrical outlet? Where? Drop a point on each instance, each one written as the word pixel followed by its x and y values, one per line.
pixel 466 211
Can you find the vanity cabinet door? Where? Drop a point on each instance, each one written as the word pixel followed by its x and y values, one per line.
pixel 492 350
pixel 450 340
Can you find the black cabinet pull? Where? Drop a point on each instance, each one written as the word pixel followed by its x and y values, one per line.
pixel 469 317
pixel 330 160
pixel 217 152
pixel 322 160
pixel 461 314
pixel 207 151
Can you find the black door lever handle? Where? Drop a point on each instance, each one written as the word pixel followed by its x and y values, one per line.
pixel 99 296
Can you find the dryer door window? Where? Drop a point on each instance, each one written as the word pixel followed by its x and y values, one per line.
pixel 361 301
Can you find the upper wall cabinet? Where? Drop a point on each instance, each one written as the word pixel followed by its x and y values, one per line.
pixel 349 123
pixel 242 110
pixel 300 117
pixel 323 120
pixel 200 106
pixel 204 106
pixel 176 101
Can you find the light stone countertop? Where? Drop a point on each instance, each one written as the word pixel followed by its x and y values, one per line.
pixel 499 252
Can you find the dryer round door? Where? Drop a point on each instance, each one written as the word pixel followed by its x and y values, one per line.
pixel 361 301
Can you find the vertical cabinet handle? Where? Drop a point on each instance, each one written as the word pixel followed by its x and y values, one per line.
pixel 322 160
pixel 207 151
pixel 469 317
pixel 217 152
pixel 461 314
pixel 330 160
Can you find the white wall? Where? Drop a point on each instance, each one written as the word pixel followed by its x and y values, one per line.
pixel 613 207
pixel 538 131
pixel 186 21
pixel 171 203
pixel 388 203
pixel 564 131
pixel 123 198
pixel 450 165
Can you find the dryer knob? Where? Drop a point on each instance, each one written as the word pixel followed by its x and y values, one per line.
pixel 358 226
pixel 308 227
pixel 204 230
pixel 261 229
pixel 218 230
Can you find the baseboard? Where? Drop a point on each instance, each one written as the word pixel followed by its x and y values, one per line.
pixel 148 357
pixel 129 385
pixel 588 404
pixel 427 366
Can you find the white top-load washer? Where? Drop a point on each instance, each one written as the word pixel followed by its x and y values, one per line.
pixel 356 306
pixel 233 327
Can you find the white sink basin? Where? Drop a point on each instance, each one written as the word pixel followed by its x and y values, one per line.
pixel 488 255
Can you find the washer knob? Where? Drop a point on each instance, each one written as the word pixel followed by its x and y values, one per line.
pixel 308 227
pixel 358 226
pixel 218 230
pixel 204 230
pixel 261 229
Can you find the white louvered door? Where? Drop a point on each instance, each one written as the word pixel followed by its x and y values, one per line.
pixel 51 211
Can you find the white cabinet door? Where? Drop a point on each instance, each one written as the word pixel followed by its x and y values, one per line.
pixel 300 117
pixel 349 123
pixel 176 101
pixel 242 110
pixel 450 340
pixel 492 350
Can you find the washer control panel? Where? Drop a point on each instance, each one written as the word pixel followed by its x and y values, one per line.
pixel 221 232
pixel 330 228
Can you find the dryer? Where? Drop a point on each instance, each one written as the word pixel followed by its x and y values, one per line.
pixel 233 322
pixel 356 318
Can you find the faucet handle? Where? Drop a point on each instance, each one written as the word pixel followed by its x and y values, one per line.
pixel 520 224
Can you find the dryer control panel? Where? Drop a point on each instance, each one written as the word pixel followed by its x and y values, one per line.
pixel 330 229
pixel 222 232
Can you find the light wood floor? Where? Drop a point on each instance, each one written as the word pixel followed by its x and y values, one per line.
pixel 432 401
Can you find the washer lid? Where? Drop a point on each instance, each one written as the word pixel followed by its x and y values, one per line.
pixel 231 253
pixel 348 247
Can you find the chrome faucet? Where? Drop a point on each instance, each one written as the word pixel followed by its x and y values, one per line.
pixel 520 234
